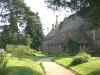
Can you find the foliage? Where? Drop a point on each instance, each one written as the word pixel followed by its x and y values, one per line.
pixel 89 9
pixel 36 35
pixel 3 61
pixel 10 48
pixel 17 14
pixel 7 39
pixel 26 40
pixel 42 68
pixel 76 46
pixel 81 57
pixel 22 50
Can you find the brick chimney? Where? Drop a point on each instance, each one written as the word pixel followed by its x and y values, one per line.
pixel 56 25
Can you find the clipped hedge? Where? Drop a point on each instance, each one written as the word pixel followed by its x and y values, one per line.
pixel 80 58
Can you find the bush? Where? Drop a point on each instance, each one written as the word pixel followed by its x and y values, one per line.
pixel 10 48
pixel 81 58
pixel 30 52
pixel 22 50
pixel 3 61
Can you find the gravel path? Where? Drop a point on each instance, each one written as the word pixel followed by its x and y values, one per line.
pixel 52 68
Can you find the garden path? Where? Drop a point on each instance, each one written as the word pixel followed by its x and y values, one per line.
pixel 52 68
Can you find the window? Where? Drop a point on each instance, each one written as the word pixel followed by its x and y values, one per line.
pixel 49 47
pixel 62 45
pixel 81 45
pixel 86 46
pixel 56 46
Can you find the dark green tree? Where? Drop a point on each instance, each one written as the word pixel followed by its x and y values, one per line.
pixel 36 34
pixel 26 40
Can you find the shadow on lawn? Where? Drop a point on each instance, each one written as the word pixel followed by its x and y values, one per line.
pixel 95 72
pixel 31 57
pixel 19 70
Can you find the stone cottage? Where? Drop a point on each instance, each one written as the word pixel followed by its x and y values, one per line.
pixel 74 34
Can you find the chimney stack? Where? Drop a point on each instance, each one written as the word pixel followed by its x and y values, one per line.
pixel 56 18
pixel 56 25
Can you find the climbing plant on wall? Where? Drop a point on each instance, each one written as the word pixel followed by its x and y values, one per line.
pixel 75 46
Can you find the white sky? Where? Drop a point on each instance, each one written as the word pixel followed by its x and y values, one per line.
pixel 47 16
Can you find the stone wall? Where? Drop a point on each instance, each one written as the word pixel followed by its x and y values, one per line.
pixel 44 46
pixel 91 34
pixel 56 48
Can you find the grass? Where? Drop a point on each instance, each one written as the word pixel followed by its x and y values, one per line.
pixel 26 66
pixel 88 68
pixel 40 54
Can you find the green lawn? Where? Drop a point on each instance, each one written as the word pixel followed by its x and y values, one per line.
pixel 40 54
pixel 27 66
pixel 88 68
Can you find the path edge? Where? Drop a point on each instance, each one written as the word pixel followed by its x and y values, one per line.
pixel 76 73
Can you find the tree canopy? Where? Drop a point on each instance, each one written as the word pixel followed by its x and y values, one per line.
pixel 36 35
pixel 15 13
pixel 90 9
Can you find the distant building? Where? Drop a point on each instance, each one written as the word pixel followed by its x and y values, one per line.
pixel 74 34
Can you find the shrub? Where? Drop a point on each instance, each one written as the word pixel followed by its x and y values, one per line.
pixel 22 50
pixel 30 52
pixel 3 61
pixel 81 58
pixel 10 48
pixel 62 54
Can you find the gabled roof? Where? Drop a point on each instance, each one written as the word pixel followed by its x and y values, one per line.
pixel 80 36
pixel 49 35
pixel 73 21
pixel 77 34
pixel 58 38
pixel 76 25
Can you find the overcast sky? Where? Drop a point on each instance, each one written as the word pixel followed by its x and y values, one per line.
pixel 47 16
